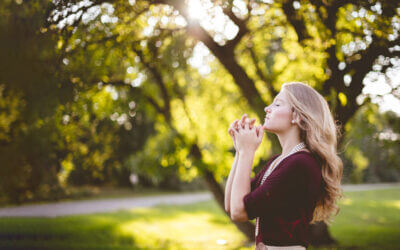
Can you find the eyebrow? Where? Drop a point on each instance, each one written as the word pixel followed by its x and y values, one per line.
pixel 277 99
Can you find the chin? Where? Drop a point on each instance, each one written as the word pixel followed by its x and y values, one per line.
pixel 267 128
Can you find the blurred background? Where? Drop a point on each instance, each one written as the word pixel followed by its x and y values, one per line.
pixel 123 100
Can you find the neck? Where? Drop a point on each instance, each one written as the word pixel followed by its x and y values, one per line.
pixel 288 141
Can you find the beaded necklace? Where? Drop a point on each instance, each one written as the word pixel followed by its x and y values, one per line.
pixel 275 163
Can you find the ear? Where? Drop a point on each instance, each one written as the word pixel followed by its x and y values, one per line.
pixel 296 117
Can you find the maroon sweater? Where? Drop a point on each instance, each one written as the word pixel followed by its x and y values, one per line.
pixel 285 202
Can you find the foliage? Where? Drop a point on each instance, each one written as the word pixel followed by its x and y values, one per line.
pixel 92 90
pixel 372 145
pixel 53 129
pixel 32 85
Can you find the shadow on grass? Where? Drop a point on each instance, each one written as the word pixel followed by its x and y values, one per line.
pixel 103 230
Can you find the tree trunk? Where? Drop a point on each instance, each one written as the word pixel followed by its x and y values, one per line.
pixel 319 235
pixel 247 228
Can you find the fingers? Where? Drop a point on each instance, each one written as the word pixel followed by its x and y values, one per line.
pixel 242 120
pixel 260 133
pixel 247 124
pixel 232 127
pixel 244 123
pixel 251 125
pixel 232 132
pixel 236 125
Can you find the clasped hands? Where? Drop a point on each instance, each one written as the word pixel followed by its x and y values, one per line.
pixel 246 137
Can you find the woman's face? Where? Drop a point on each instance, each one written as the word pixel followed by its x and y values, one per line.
pixel 278 114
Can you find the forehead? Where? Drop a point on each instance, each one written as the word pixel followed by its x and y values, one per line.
pixel 279 97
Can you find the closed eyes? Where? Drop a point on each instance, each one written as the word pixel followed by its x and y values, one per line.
pixel 275 104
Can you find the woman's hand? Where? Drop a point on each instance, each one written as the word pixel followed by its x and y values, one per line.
pixel 248 138
pixel 234 128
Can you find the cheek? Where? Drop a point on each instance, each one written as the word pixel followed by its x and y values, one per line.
pixel 279 118
pixel 281 115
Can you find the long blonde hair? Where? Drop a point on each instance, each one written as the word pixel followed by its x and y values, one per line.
pixel 320 133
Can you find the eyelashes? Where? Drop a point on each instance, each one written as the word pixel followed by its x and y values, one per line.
pixel 275 104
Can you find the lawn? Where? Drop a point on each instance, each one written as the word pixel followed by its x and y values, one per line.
pixel 367 220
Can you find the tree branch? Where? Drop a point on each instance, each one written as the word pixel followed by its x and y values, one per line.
pixel 296 20
pixel 241 23
pixel 261 75
pixel 159 81
pixel 151 100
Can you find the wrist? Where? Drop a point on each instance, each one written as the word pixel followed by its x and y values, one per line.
pixel 246 151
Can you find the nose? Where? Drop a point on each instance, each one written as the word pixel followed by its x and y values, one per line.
pixel 266 109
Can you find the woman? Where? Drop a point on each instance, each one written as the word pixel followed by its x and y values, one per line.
pixel 295 188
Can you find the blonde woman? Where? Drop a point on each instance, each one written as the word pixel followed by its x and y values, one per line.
pixel 295 188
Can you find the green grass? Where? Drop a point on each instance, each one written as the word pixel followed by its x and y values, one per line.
pixel 367 220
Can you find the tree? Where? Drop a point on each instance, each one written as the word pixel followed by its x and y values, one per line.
pixel 334 44
pixel 53 129
pixel 31 87
pixel 372 138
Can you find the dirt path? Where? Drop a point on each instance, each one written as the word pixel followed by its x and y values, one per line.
pixel 99 206
pixel 370 186
pixel 111 205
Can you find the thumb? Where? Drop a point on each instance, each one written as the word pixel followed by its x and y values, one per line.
pixel 260 133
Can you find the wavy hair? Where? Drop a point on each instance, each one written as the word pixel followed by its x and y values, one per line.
pixel 320 133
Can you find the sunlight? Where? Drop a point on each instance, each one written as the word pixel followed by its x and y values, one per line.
pixel 346 201
pixel 150 223
pixel 201 58
pixel 213 19
pixel 376 86
pixel 394 203
pixel 196 9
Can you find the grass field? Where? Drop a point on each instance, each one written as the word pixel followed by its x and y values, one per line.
pixel 367 220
